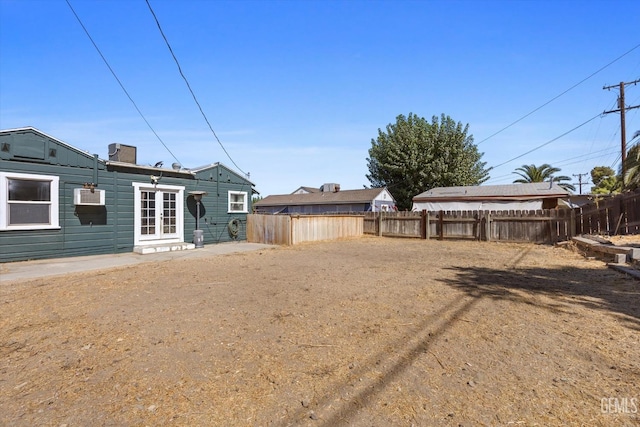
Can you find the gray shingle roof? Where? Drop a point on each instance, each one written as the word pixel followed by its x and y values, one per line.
pixel 534 190
pixel 321 198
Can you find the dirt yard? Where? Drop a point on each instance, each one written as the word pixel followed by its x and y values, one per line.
pixel 364 332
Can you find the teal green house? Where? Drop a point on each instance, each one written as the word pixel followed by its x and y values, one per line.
pixel 59 201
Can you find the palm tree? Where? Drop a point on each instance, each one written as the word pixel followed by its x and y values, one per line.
pixel 545 172
pixel 631 178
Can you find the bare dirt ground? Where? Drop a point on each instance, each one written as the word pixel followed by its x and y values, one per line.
pixel 628 240
pixel 364 332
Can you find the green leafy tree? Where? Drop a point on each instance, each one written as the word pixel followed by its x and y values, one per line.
pixel 545 172
pixel 414 155
pixel 605 180
pixel 255 199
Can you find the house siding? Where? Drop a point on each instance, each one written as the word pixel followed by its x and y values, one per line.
pixel 95 230
pixel 217 182
pixel 72 238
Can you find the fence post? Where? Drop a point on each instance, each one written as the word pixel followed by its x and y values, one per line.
pixel 572 224
pixel 428 226
pixel 441 221
pixel 423 224
pixel 622 206
pixel 380 223
pixel 488 227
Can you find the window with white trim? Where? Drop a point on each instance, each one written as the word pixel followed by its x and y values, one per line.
pixel 238 202
pixel 28 201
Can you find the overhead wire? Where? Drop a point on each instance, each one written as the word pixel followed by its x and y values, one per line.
pixel 559 95
pixel 189 87
pixel 546 143
pixel 119 81
pixel 593 139
pixel 568 161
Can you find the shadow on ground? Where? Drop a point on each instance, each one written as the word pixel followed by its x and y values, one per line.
pixel 363 394
pixel 592 289
pixel 553 289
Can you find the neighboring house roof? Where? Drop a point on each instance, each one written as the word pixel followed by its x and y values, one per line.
pixel 536 190
pixel 321 198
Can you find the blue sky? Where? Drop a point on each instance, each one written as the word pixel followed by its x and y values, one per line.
pixel 296 90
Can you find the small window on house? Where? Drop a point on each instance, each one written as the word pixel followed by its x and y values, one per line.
pixel 28 202
pixel 238 202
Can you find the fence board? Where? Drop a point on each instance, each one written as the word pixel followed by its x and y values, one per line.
pixel 295 229
pixel 548 226
pixel 269 229
pixel 615 215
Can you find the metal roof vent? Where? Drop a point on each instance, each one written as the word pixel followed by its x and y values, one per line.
pixel 330 188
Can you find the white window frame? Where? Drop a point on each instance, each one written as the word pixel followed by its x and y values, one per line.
pixel 54 211
pixel 245 204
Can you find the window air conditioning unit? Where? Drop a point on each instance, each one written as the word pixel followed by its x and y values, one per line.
pixel 86 196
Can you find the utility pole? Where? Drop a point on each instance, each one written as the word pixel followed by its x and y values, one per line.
pixel 621 109
pixel 579 183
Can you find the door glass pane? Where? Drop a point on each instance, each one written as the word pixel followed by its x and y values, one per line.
pixel 147 212
pixel 169 213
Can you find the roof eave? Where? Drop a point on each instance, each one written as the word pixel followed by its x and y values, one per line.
pixel 149 168
pixel 477 198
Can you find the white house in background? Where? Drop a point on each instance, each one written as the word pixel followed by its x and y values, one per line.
pixel 533 196
pixel 307 190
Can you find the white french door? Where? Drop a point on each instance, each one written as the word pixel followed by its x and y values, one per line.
pixel 158 214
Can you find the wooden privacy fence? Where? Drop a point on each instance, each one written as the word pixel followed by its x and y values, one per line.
pixel 615 215
pixel 540 226
pixel 611 216
pixel 294 229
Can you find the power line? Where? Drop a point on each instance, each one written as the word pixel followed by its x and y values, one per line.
pixel 119 82
pixel 558 96
pixel 546 143
pixel 593 138
pixel 607 152
pixel 189 87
